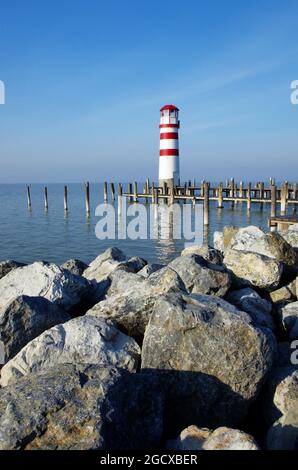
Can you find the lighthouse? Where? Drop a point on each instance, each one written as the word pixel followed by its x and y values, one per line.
pixel 169 145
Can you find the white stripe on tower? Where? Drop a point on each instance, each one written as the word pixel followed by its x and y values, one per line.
pixel 169 145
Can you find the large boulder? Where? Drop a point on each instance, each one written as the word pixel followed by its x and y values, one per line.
pixel 289 316
pixel 253 269
pixel 283 435
pixel 286 393
pixel 104 264
pixel 225 438
pixel 81 407
pixel 291 236
pixel 83 340
pixel 272 245
pixel 24 318
pixel 211 255
pixel 45 280
pixel 131 298
pixel 211 357
pixel 8 265
pixel 201 277
pixel 194 438
pixel 75 266
pixel 252 303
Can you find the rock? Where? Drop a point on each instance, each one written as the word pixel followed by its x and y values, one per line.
pixel 289 315
pixel 194 438
pixel 133 265
pixel 291 236
pixel 212 359
pixel 283 435
pixel 266 411
pixel 7 266
pixel 211 255
pixel 150 269
pixel 191 438
pixel 284 294
pixel 272 245
pixel 75 266
pixel 218 241
pixel 43 280
pixel 83 407
pixel 83 340
pixel 230 439
pixel 24 318
pixel 252 303
pixel 104 264
pixel 228 234
pixel 131 298
pixel 286 393
pixel 202 277
pixel 253 269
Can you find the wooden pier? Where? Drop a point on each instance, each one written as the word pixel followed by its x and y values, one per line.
pixel 225 194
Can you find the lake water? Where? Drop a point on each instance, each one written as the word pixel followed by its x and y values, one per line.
pixel 28 236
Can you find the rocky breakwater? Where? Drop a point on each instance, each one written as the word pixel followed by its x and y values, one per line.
pixel 122 354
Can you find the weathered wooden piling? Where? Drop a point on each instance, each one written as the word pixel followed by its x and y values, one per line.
pixel 46 202
pixel 284 195
pixel 248 197
pixel 105 192
pixel 206 203
pixel 65 201
pixel 87 198
pixel 273 199
pixel 29 198
pixel 220 197
pixel 112 192
pixel 135 191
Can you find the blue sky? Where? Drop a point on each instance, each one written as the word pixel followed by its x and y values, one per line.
pixel 85 81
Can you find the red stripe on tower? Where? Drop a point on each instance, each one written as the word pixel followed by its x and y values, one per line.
pixel 169 135
pixel 169 152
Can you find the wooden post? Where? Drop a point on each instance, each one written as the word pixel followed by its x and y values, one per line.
pixel 284 195
pixel 232 188
pixel 295 197
pixel 202 187
pixel 273 199
pixel 135 192
pixel 105 192
pixel 219 194
pixel 87 198
pixel 46 202
pixel 248 197
pixel 129 190
pixel 206 203
pixel 113 192
pixel 119 190
pixel 241 189
pixel 261 186
pixel 147 186
pixel 29 198
pixel 65 199
pixel 155 195
pixel 171 194
pixel 152 192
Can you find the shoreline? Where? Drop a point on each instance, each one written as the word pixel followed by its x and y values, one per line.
pixel 210 336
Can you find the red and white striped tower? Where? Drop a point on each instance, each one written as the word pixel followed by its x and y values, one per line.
pixel 169 145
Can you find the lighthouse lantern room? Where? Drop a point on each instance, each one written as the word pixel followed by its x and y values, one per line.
pixel 169 145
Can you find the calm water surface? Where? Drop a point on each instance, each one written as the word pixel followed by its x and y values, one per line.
pixel 53 236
